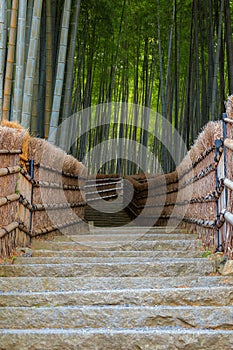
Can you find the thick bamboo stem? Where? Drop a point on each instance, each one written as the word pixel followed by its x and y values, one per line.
pixel 10 61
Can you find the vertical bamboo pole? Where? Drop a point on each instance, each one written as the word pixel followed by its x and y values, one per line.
pixel 49 72
pixel 67 106
pixel 2 51
pixel 10 61
pixel 20 56
pixel 31 64
pixel 60 72
pixel 33 124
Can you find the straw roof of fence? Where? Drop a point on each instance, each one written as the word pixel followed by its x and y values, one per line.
pixel 206 140
pixel 47 154
pixel 229 107
pixel 13 137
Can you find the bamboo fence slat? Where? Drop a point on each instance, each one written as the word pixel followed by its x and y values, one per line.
pixel 11 198
pixel 9 170
pixel 9 228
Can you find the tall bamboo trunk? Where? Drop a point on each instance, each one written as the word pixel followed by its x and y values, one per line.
pixel 49 71
pixel 2 50
pixel 31 64
pixel 229 45
pixel 60 73
pixel 216 65
pixel 20 60
pixel 10 61
pixel 69 77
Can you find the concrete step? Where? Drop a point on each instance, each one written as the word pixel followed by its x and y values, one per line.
pixel 99 259
pixel 114 254
pixel 163 268
pixel 145 229
pixel 116 289
pixel 120 245
pixel 117 317
pixel 194 296
pixel 103 217
pixel 124 237
pixel 156 338
pixel 40 284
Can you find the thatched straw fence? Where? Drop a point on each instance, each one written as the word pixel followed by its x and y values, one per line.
pixel 198 195
pixel 44 190
pixel 41 190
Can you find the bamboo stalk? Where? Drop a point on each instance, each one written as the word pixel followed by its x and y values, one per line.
pixel 31 64
pixel 10 61
pixel 9 228
pixel 2 51
pixel 229 217
pixel 60 73
pixel 46 230
pixel 6 151
pixel 67 106
pixel 55 185
pixel 11 198
pixel 34 113
pixel 20 54
pixel 229 144
pixel 49 75
pixel 52 206
pixel 228 183
pixel 9 170
pixel 100 185
pixel 228 120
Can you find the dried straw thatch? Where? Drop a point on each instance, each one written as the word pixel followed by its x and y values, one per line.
pixel 8 184
pixel 205 141
pixel 43 152
pixel 72 166
pixel 53 157
pixel 8 213
pixel 194 177
pixel 56 182
pixel 229 107
pixel 14 136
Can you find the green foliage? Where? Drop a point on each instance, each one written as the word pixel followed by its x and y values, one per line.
pixel 206 254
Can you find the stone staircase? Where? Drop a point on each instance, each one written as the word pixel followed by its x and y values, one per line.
pixel 115 288
pixel 103 218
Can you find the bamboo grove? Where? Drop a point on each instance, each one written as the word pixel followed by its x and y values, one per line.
pixel 58 57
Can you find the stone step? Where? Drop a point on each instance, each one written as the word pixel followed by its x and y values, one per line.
pixel 119 245
pixel 115 254
pixel 149 229
pixel 105 218
pixel 124 237
pixel 77 260
pixel 106 208
pixel 146 229
pixel 40 284
pixel 155 338
pixel 194 296
pixel 115 289
pixel 117 317
pixel 163 268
